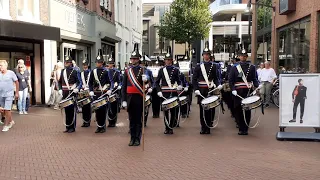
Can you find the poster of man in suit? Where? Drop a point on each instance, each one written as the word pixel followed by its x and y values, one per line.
pixel 299 100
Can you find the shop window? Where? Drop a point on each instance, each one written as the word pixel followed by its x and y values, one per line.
pixel 294 47
pixel 28 10
pixel 4 9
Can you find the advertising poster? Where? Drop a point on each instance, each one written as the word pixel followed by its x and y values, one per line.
pixel 299 100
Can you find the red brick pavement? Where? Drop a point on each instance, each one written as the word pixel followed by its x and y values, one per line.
pixel 36 148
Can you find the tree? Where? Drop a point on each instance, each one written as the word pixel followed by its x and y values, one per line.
pixel 264 14
pixel 186 21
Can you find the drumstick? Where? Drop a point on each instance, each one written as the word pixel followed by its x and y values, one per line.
pixel 180 93
pixel 240 97
pixel 69 95
pixel 202 96
pixel 212 90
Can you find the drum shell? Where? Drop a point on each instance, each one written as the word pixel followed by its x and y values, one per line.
pixel 84 102
pixel 211 105
pixel 98 103
pixel 66 103
pixel 112 98
pixel 252 105
pixel 83 94
pixel 226 87
pixel 171 105
pixel 183 102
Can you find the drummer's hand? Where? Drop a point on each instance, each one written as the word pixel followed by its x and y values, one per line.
pixel 119 87
pixel 60 92
pixel 124 104
pixel 150 90
pixel 86 89
pixel 160 94
pixel 197 92
pixel 109 92
pixel 75 90
pixel 179 88
pixel 186 89
pixel 144 78
pixel 260 86
pixel 220 87
pixel 234 92
pixel 91 93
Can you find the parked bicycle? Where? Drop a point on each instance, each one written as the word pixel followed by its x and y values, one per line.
pixel 275 93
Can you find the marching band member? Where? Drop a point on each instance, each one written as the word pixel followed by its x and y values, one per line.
pixel 205 78
pixel 240 80
pixel 114 75
pixel 86 109
pixel 156 100
pixel 99 84
pixel 185 108
pixel 132 95
pixel 168 77
pixel 69 85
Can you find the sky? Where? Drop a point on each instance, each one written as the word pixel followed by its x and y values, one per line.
pixel 157 1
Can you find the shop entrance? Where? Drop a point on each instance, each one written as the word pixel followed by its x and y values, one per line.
pixel 77 52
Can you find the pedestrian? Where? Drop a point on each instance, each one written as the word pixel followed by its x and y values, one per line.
pixel 267 77
pixel 55 97
pixel 23 78
pixel 7 80
pixel 27 74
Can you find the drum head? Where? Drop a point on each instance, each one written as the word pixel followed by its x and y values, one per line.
pixel 209 100
pixel 168 101
pixel 182 98
pixel 250 100
pixel 147 97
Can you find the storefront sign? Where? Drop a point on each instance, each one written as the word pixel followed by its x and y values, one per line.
pixel 75 19
pixel 286 6
pixel 299 100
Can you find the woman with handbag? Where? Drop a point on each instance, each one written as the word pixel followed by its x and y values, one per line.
pixel 55 97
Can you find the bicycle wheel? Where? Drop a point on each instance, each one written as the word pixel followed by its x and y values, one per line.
pixel 275 98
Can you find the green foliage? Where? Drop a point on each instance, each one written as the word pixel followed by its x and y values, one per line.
pixel 264 14
pixel 186 21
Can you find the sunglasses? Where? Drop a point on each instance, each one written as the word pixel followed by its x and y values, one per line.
pixel 20 67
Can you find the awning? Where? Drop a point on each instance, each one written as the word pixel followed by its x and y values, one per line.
pixel 110 37
pixel 26 30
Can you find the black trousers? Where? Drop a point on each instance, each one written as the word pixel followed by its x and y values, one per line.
pixel 207 118
pixel 228 99
pixel 146 114
pixel 298 101
pixel 184 109
pixel 113 113
pixel 241 119
pixel 71 117
pixel 86 113
pixel 156 102
pixel 173 117
pixel 101 115
pixel 135 115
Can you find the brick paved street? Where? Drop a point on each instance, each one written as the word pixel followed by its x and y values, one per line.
pixel 36 148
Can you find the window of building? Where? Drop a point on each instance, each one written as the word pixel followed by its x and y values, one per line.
pixel 28 10
pixel 294 47
pixel 4 9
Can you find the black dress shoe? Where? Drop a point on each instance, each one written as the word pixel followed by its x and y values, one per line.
pixel 71 130
pixel 111 125
pixel 242 133
pixel 301 121
pixel 136 142
pixel 131 142
pixel 292 121
pixel 65 131
pixel 155 116
pixel 103 130
pixel 98 130
pixel 166 131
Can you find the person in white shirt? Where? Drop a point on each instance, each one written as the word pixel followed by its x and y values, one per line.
pixel 267 78
pixel 261 66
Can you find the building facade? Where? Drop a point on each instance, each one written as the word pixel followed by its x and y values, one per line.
pixel 128 20
pixel 230 20
pixel 24 32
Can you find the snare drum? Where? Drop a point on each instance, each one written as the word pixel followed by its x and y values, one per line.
pixel 113 98
pixel 84 102
pixel 147 101
pixel 183 100
pixel 83 94
pixel 210 102
pixel 169 103
pixel 98 103
pixel 66 102
pixel 251 102
pixel 226 87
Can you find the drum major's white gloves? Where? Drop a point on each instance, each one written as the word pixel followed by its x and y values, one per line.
pixel 186 89
pixel 160 94
pixel 179 88
pixel 234 92
pixel 109 92
pixel 150 90
pixel 60 92
pixel 197 92
pixel 124 104
pixel 144 78
pixel 220 87
pixel 75 90
pixel 91 93
pixel 119 87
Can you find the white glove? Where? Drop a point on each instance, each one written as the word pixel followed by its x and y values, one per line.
pixel 109 92
pixel 91 93
pixel 179 88
pixel 86 89
pixel 75 90
pixel 186 89
pixel 234 92
pixel 124 104
pixel 60 92
pixel 260 86
pixel 197 92
pixel 119 87
pixel 220 87
pixel 144 78
pixel 160 94
pixel 150 90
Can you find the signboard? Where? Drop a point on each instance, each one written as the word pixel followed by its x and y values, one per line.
pixel 184 66
pixel 286 6
pixel 299 100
